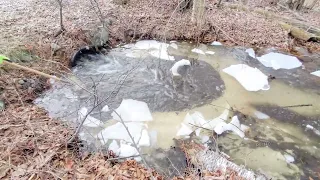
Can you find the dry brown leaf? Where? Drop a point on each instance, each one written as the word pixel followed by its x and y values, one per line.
pixel 68 164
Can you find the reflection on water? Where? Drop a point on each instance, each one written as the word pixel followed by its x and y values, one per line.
pixel 270 142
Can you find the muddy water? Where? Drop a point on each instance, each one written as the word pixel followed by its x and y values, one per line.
pixel 267 142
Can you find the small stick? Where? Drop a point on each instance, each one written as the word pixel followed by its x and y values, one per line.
pixel 299 105
pixel 117 158
pixel 32 70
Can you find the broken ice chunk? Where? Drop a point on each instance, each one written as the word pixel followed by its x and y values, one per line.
pixel 148 44
pixel 316 73
pixel 162 54
pixel 145 139
pixel 114 147
pixel 261 115
pixel 221 127
pixel 127 150
pixel 251 52
pixel 289 158
pixel 184 130
pixel 105 108
pixel 118 131
pixel 178 64
pixel 252 79
pixel 89 121
pixel 213 123
pixel 198 51
pixel 204 139
pixel 210 52
pixel 132 110
pixel 233 126
pixel 279 61
pixel 216 43
pixel 174 45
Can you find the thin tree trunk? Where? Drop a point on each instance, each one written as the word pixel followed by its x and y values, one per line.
pixel 198 12
pixel 61 19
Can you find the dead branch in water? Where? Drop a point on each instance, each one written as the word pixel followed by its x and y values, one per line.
pixel 299 105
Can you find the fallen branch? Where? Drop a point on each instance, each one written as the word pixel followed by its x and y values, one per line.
pixel 299 105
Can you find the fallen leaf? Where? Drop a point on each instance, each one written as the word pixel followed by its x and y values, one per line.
pixel 69 163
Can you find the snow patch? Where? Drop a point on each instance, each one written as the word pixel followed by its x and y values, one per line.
pixel 316 73
pixel 132 110
pixel 178 64
pixel 252 79
pixel 90 121
pixel 279 61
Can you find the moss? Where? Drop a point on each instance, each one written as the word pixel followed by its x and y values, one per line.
pixel 22 55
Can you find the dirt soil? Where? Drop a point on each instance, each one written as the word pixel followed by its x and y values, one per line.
pixel 34 146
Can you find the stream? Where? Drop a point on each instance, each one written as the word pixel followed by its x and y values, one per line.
pixel 277 107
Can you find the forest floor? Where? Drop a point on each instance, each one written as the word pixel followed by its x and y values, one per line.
pixel 34 146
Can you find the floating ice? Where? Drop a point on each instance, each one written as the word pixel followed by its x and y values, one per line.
pixel 244 128
pixel 216 43
pixel 114 147
pixel 162 53
pixel 198 51
pixel 279 61
pixel 233 126
pixel 127 150
pixel 316 73
pixel 118 131
pixel 132 110
pixel 145 139
pixel 178 64
pixel 251 52
pixel 105 108
pixel 174 45
pixel 184 130
pixel 90 121
pixel 252 79
pixel 309 127
pixel 204 139
pixel 153 137
pixel 210 52
pixel 213 123
pixel 261 115
pixel 148 44
pixel 289 158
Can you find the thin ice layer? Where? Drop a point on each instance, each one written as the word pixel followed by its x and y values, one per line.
pixel 252 79
pixel 132 110
pixel 178 64
pixel 279 61
pixel 316 73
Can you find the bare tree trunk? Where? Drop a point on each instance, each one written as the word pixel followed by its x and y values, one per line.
pixel 313 4
pixel 198 12
pixel 61 19
pixel 219 3
pixel 296 4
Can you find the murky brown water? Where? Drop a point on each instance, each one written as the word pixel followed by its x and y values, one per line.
pixel 268 140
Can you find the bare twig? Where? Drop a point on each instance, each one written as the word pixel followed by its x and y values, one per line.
pixel 299 105
pixel 62 29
